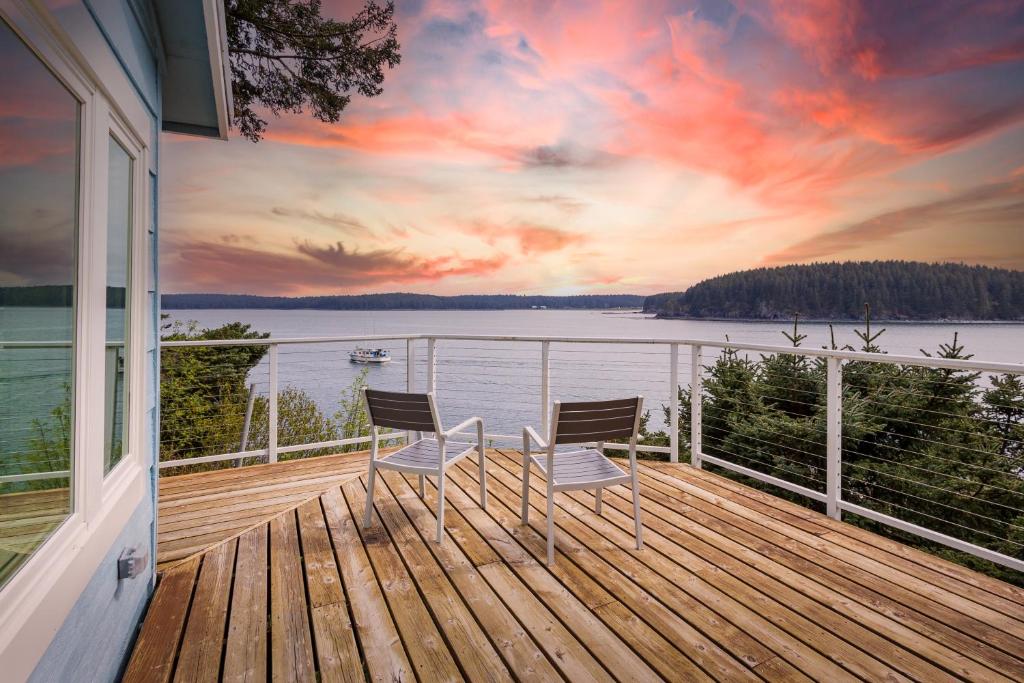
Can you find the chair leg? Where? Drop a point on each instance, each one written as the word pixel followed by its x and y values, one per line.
pixel 369 497
pixel 423 492
pixel 597 500
pixel 526 487
pixel 483 480
pixel 440 506
pixel 551 524
pixel 636 513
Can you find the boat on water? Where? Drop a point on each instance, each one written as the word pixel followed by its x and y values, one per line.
pixel 375 356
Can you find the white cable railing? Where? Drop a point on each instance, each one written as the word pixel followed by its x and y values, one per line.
pixel 114 365
pixel 923 470
pixel 511 380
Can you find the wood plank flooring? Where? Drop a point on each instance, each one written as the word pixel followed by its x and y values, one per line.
pixel 732 584
pixel 200 510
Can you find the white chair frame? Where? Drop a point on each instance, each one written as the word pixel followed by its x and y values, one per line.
pixel 548 466
pixel 442 438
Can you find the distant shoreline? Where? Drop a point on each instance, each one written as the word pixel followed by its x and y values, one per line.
pixel 630 310
pixel 844 321
pixel 404 301
pixel 405 310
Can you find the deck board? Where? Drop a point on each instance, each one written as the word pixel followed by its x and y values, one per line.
pixel 245 656
pixel 199 510
pixel 732 584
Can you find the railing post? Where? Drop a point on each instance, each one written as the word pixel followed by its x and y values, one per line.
pixel 545 386
pixel 673 403
pixel 410 374
pixel 696 405
pixel 272 398
pixel 247 422
pixel 431 365
pixel 834 442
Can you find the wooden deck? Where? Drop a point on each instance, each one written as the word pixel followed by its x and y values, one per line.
pixel 732 584
pixel 198 511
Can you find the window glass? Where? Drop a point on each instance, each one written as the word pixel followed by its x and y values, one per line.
pixel 39 127
pixel 119 221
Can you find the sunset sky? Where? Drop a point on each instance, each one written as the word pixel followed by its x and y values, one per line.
pixel 587 147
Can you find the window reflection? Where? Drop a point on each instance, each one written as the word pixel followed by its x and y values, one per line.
pixel 39 124
pixel 119 220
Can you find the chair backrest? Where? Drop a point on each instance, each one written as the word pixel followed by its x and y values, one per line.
pixel 413 412
pixel 596 420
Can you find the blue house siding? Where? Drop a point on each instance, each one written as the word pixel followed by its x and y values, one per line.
pixel 120 21
pixel 92 643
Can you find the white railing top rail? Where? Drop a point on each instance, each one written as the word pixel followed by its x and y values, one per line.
pixel 46 344
pixel 922 361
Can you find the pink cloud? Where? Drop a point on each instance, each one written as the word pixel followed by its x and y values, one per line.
pixel 576 126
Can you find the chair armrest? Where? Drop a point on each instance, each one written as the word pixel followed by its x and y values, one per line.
pixel 530 433
pixel 479 421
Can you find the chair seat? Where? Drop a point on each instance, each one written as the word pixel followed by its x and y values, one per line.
pixel 579 469
pixel 424 455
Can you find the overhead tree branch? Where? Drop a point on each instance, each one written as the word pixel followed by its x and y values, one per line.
pixel 286 57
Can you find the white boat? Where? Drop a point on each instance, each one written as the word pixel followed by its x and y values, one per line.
pixel 362 355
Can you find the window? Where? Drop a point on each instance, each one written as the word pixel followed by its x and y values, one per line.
pixel 119 228
pixel 39 184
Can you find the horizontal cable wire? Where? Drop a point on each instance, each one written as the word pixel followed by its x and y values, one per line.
pixel 943 490
pixel 925 455
pixel 781 469
pixel 941 474
pixel 770 443
pixel 938 519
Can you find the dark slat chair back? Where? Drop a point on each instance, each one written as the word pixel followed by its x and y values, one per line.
pixel 400 411
pixel 597 420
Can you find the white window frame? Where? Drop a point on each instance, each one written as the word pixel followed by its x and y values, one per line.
pixel 36 601
pixel 136 335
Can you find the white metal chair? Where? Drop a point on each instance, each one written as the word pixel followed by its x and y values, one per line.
pixel 588 468
pixel 425 457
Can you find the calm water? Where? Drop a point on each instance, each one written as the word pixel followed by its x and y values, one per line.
pixel 35 381
pixel 500 380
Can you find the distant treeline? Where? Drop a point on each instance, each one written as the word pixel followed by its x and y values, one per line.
pixel 53 296
pixel 896 290
pixel 401 301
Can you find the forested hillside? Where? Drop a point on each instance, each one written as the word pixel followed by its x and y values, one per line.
pixel 401 301
pixel 896 290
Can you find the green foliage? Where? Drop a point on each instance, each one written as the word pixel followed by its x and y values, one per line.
pixel 301 421
pixel 49 448
pixel 203 390
pixel 204 394
pixel 286 57
pixel 352 420
pixel 899 290
pixel 931 446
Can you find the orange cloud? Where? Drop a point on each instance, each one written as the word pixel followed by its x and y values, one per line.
pixel 532 239
pixel 206 266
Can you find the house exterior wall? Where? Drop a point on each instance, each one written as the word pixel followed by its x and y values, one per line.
pixel 77 622
pixel 92 643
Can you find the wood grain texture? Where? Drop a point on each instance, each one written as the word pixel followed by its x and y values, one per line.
pixel 732 584
pixel 157 645
pixel 203 643
pixel 200 510
pixel 245 654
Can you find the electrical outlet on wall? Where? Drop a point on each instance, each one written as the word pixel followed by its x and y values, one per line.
pixel 131 563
